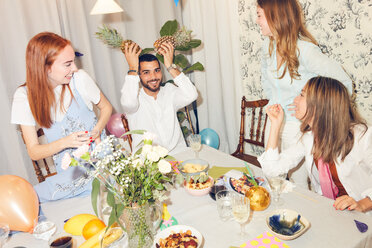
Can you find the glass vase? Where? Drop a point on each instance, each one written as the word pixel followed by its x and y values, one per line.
pixel 141 224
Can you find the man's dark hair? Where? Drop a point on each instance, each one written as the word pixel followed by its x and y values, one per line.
pixel 147 58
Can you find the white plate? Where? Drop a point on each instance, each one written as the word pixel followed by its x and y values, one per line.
pixel 176 229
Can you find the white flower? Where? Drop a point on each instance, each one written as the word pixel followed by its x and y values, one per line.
pixel 148 137
pixel 161 151
pixel 153 156
pixel 164 166
pixel 146 149
pixel 80 151
pixel 66 161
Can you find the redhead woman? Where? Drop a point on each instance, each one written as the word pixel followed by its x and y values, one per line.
pixel 59 98
pixel 335 142
pixel 290 57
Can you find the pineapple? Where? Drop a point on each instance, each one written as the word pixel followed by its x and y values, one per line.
pixel 161 40
pixel 112 38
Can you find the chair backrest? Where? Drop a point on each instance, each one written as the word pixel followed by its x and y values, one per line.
pixel 257 130
pixel 126 128
pixel 257 127
pixel 42 166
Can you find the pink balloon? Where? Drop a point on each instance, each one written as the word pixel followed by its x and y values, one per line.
pixel 115 125
pixel 19 206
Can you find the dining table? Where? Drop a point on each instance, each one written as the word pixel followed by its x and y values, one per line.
pixel 329 228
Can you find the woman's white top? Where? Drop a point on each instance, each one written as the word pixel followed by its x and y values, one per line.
pixel 85 85
pixel 355 172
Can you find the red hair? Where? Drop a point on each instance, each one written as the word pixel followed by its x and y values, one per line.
pixel 42 50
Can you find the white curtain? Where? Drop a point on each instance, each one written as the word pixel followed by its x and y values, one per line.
pixel 216 23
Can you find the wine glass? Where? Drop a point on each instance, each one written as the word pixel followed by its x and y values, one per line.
pixel 4 233
pixel 277 184
pixel 194 141
pixel 241 209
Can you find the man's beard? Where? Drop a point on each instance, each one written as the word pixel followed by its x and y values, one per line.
pixel 150 88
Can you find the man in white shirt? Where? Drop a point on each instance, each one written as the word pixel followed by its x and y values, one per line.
pixel 154 108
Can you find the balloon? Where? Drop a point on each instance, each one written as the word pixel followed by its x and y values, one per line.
pixel 210 138
pixel 115 125
pixel 19 206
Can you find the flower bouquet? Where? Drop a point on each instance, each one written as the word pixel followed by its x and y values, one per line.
pixel 134 182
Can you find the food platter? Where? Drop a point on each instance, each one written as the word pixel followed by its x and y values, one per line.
pixel 178 229
pixel 242 185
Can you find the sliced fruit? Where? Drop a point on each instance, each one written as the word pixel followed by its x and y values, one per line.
pixel 76 223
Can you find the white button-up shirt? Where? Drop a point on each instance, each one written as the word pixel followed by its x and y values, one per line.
pixel 355 172
pixel 158 116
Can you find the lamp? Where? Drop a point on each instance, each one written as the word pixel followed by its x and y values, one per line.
pixel 105 7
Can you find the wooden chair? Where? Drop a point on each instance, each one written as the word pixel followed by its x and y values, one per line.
pixel 126 128
pixel 257 130
pixel 38 165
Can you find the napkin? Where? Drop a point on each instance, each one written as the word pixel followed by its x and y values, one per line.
pixel 264 240
pixel 217 171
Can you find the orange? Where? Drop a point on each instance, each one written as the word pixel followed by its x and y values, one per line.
pixel 92 228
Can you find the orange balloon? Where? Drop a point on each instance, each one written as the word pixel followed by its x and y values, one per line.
pixel 19 206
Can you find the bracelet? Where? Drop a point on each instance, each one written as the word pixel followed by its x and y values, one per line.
pixel 135 71
pixel 172 66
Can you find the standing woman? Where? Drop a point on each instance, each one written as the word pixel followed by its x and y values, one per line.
pixel 290 57
pixel 59 98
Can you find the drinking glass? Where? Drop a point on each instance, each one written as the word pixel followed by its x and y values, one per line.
pixel 277 184
pixel 194 141
pixel 241 209
pixel 43 229
pixel 223 199
pixel 4 233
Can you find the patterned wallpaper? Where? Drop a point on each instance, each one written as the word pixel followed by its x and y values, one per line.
pixel 343 31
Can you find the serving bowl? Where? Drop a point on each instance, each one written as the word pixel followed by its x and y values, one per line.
pixel 176 229
pixel 199 192
pixel 287 224
pixel 195 161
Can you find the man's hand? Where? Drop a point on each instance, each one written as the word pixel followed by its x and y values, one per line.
pixel 166 49
pixel 131 55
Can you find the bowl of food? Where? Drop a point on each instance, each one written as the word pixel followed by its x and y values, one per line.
pixel 193 167
pixel 198 188
pixel 287 224
pixel 178 236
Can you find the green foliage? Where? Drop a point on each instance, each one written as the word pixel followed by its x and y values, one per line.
pixel 195 67
pixel 181 60
pixel 94 194
pixel 190 45
pixel 169 28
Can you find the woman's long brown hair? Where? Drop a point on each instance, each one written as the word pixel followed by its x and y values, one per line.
pixel 41 53
pixel 287 24
pixel 331 117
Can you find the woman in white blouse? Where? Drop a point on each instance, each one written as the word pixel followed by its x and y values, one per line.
pixel 59 98
pixel 336 144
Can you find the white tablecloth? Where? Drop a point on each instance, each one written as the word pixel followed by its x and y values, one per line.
pixel 329 228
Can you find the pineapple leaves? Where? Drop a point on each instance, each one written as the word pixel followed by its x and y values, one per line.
pixel 195 67
pixel 194 43
pixel 169 28
pixel 109 36
pixel 181 60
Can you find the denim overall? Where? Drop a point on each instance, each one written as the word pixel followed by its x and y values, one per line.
pixel 75 180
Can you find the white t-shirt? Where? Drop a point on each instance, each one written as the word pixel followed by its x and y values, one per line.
pixel 87 88
pixel 158 116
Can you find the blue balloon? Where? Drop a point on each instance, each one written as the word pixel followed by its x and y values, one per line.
pixel 210 137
